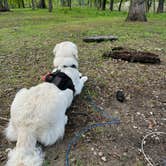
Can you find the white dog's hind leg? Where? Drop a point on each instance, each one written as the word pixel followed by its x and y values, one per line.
pixel 10 132
pixel 51 135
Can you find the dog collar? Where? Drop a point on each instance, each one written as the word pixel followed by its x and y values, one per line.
pixel 60 79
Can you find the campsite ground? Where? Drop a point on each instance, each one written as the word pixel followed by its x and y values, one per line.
pixel 27 39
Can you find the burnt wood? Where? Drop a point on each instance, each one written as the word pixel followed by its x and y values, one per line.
pixel 131 55
pixel 100 38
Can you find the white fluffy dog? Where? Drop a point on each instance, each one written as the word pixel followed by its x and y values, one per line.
pixel 38 114
pixel 66 54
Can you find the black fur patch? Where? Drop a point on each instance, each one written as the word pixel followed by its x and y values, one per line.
pixel 61 80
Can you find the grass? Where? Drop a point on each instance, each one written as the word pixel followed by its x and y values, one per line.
pixel 35 27
pixel 27 39
pixel 28 34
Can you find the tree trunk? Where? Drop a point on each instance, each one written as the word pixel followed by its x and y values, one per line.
pixel 103 4
pixel 23 4
pixel 148 5
pixel 137 11
pixel 20 3
pixel 111 5
pixel 99 4
pixel 160 8
pixel 19 6
pixel 69 3
pixel 4 6
pixel 120 4
pixel 50 6
pixel 90 4
pixel 154 6
pixel 33 4
pixel 80 2
pixel 42 4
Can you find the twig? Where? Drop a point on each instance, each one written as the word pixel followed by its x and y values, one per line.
pixel 5 119
pixel 142 145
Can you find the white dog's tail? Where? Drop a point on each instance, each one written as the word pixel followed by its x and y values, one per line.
pixel 25 153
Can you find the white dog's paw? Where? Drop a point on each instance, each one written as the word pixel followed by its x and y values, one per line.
pixel 84 78
pixel 66 119
pixel 80 75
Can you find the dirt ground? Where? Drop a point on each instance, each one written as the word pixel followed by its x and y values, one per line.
pixel 143 111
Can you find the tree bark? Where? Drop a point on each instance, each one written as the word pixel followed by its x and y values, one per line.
pixel 120 5
pixel 50 6
pixel 99 4
pixel 100 38
pixel 137 11
pixel 20 3
pixel 33 4
pixel 69 3
pixel 148 5
pixel 111 5
pixel 23 4
pixel 42 4
pixel 4 6
pixel 154 6
pixel 132 55
pixel 103 5
pixel 160 8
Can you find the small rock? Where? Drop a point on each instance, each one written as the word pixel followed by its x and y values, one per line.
pixel 92 149
pixel 100 154
pixel 104 158
pixel 151 113
pixel 138 113
pixel 73 160
pixel 124 154
pixel 135 127
pixel 95 153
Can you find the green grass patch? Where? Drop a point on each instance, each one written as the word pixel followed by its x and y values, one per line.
pixel 28 34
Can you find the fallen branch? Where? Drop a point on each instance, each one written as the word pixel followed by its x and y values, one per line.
pixel 5 119
pixel 100 38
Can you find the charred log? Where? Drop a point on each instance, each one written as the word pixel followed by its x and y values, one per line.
pixel 132 55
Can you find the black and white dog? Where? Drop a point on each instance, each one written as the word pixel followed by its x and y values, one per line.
pixel 38 114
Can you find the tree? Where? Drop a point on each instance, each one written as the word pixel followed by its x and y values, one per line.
pixel 137 11
pixel 103 4
pixel 160 8
pixel 69 3
pixel 120 4
pixel 33 4
pixel 154 6
pixel 50 6
pixel 111 5
pixel 148 5
pixel 4 6
pixel 20 3
pixel 42 4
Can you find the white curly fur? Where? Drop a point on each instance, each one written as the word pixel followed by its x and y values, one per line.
pixel 66 53
pixel 38 114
